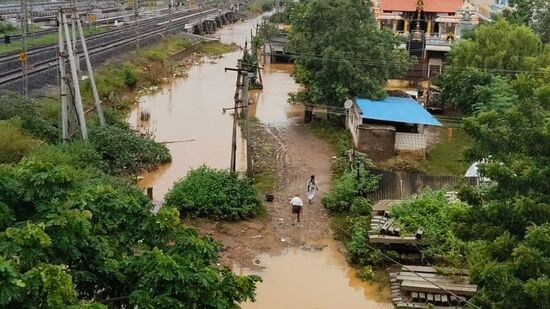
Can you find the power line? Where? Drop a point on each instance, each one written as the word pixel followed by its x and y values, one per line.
pixel 396 64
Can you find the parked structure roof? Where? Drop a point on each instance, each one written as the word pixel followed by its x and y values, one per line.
pixel 433 6
pixel 395 109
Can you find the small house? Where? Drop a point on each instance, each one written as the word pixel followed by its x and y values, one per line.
pixel 383 128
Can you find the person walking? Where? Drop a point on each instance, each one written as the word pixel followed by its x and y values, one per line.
pixel 312 189
pixel 296 204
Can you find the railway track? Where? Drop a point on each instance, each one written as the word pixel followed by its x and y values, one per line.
pixel 44 59
pixel 107 19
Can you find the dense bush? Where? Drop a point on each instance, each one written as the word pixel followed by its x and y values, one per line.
pixel 359 250
pixel 436 216
pixel 15 105
pixel 208 192
pixel 347 188
pixel 130 78
pixel 6 27
pixel 69 239
pixel 127 152
pixel 14 141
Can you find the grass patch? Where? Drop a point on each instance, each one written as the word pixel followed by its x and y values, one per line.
pixel 447 157
pixel 265 161
pixel 260 6
pixel 42 40
pixel 15 142
pixel 338 136
pixel 144 68
pixel 216 49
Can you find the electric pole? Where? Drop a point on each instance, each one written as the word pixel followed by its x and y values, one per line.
pixel 169 16
pixel 23 55
pixel 136 21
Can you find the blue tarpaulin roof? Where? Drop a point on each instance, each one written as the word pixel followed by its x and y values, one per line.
pixel 396 109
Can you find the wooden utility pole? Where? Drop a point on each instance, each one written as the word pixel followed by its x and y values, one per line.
pixel 249 167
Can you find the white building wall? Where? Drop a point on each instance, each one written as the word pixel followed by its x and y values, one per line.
pixel 410 141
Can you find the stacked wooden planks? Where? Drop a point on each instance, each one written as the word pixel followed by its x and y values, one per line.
pixel 384 229
pixel 418 286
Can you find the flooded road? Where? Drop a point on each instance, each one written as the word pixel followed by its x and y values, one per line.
pixel 188 112
pixel 300 279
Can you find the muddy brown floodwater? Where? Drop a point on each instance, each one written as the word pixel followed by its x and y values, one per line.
pixel 188 114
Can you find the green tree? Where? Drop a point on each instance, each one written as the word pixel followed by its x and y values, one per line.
pixel 507 223
pixel 340 52
pixel 495 49
pixel 73 237
pixel 534 13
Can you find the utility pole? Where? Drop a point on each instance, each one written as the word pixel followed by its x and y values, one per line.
pixel 136 21
pixel 76 86
pixel 249 167
pixel 23 54
pixel 236 99
pixel 169 16
pixel 91 74
pixel 63 85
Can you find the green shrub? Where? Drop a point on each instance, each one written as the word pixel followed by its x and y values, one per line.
pixel 15 105
pixel 126 152
pixel 347 188
pixel 366 273
pixel 81 154
pixel 208 192
pixel 6 27
pixel 15 143
pixel 434 214
pixel 130 78
pixel 359 251
pixel 361 206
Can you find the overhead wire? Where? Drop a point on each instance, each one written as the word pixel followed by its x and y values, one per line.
pixel 397 64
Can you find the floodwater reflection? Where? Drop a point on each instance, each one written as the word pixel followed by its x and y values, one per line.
pixel 299 279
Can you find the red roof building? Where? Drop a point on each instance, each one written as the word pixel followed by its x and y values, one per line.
pixel 430 6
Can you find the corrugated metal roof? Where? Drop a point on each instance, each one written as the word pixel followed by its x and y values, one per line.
pixel 434 6
pixel 396 109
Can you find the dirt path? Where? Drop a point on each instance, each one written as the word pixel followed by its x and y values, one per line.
pixel 299 155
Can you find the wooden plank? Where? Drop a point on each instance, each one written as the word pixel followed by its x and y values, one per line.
pixel 386 226
pixel 436 280
pixel 429 269
pixel 462 279
pixel 384 239
pixel 460 289
pixel 419 269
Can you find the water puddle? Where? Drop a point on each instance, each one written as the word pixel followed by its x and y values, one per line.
pixel 313 279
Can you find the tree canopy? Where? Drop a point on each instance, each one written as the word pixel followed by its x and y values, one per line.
pixel 340 52
pixel 492 52
pixel 73 237
pixel 534 13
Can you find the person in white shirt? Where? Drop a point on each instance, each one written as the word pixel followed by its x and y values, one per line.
pixel 312 188
pixel 297 204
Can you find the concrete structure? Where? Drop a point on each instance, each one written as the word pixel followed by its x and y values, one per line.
pixel 429 27
pixel 387 127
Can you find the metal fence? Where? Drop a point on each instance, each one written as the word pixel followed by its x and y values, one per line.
pixel 398 185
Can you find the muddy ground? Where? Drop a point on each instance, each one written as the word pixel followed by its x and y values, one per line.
pixel 298 155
